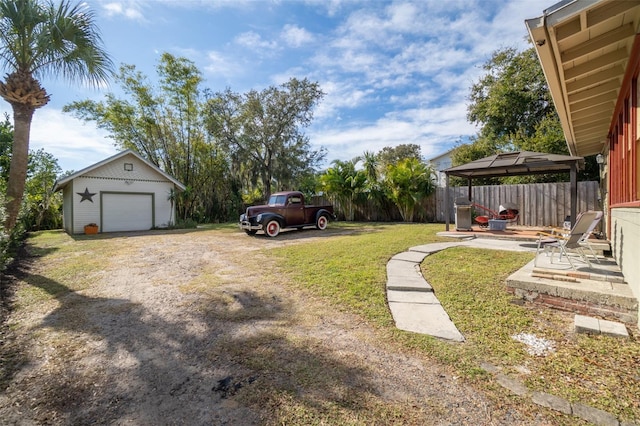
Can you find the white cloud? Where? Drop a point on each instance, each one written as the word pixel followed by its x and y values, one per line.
pixel 435 130
pixel 295 36
pixel 332 6
pixel 218 64
pixel 73 142
pixel 341 95
pixel 252 40
pixel 128 10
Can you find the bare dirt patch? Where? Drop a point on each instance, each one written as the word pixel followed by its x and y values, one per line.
pixel 198 328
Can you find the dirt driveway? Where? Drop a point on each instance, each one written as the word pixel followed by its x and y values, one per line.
pixel 197 328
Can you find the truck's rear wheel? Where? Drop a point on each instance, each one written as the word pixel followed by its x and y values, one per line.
pixel 272 228
pixel 321 222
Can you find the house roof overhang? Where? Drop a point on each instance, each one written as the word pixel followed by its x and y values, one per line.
pixel 516 164
pixel 584 48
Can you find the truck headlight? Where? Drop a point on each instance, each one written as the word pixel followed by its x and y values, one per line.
pixel 259 218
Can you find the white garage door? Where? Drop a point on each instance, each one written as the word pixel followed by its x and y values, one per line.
pixel 127 212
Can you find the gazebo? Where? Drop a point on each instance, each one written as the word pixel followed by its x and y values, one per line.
pixel 517 164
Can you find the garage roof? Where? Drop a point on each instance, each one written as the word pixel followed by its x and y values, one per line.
pixel 516 163
pixel 60 184
pixel 584 48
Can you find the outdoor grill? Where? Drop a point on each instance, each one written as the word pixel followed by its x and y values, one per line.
pixel 462 208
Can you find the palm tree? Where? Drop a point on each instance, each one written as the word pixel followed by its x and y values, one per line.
pixel 408 182
pixel 36 39
pixel 346 183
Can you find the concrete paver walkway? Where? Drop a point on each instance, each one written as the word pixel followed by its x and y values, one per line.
pixel 412 302
pixel 416 308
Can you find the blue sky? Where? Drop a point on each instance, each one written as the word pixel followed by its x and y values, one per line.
pixel 393 71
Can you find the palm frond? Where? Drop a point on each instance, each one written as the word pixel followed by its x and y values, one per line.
pixel 48 39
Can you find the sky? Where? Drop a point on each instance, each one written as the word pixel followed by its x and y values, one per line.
pixel 393 72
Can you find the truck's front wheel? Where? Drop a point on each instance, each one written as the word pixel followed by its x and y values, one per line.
pixel 321 222
pixel 272 228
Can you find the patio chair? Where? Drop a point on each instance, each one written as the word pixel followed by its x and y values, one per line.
pixel 570 240
pixel 585 238
pixel 592 227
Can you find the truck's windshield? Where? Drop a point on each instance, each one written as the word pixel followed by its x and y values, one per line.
pixel 277 200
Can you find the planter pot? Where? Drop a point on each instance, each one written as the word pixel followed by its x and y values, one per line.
pixel 90 230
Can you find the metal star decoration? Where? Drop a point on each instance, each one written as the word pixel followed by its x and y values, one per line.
pixel 86 195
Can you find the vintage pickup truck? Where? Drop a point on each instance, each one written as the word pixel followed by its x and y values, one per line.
pixel 284 210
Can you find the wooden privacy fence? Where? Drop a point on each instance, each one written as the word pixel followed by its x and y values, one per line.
pixel 539 204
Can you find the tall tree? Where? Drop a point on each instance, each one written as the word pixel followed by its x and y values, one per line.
pixel 511 97
pixel 164 124
pixel 42 206
pixel 262 131
pixel 512 106
pixel 39 38
pixel 390 155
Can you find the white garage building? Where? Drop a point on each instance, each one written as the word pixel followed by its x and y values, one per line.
pixel 122 193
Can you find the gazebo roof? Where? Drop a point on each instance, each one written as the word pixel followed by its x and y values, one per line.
pixel 516 163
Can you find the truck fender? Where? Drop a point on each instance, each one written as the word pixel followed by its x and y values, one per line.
pixel 325 212
pixel 266 217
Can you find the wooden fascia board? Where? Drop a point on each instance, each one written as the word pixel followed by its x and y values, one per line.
pixel 546 49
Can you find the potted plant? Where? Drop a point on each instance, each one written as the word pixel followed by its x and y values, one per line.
pixel 91 229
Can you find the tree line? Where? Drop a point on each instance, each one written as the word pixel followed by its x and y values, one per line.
pixel 231 149
pixel 227 148
pixel 394 177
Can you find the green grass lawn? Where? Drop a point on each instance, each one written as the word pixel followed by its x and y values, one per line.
pixel 349 271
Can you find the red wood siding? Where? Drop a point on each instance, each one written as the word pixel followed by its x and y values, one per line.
pixel 624 189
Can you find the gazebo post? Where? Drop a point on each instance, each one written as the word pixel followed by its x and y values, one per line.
pixel 446 204
pixel 469 189
pixel 573 177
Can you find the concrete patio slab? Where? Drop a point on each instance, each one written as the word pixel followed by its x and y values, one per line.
pixel 510 245
pixel 594 291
